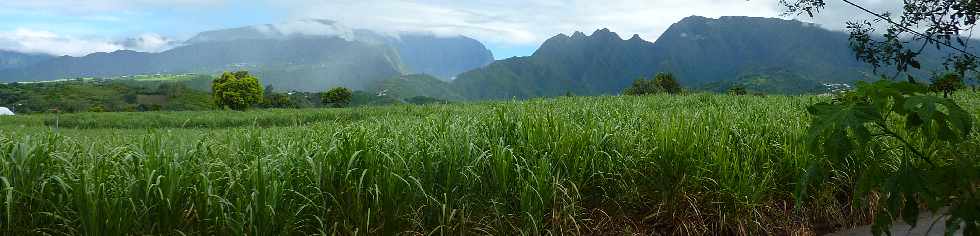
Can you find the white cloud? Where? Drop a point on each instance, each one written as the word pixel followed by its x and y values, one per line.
pixel 528 22
pixel 99 6
pixel 149 42
pixel 837 13
pixel 311 27
pixel 40 41
pixel 522 23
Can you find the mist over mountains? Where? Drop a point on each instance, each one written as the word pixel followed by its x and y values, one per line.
pixel 765 54
pixel 309 55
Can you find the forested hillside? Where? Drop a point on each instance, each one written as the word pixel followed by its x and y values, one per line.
pixel 768 54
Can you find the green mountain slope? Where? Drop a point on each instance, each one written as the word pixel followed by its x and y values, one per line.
pixel 409 86
pixel 309 55
pixel 9 59
pixel 771 55
pixel 300 63
pixel 587 65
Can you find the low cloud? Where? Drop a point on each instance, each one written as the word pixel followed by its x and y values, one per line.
pixel 523 22
pixel 46 42
pixel 502 23
pixel 82 7
pixel 38 41
pixel 149 42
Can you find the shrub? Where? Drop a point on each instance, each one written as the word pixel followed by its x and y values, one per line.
pixel 666 82
pixel 662 82
pixel 278 100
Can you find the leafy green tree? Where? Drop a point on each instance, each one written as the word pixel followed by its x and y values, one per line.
pixel 908 141
pixel 337 97
pixel 666 82
pixel 237 91
pixel 947 84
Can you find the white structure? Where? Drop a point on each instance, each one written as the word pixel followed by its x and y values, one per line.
pixel 5 112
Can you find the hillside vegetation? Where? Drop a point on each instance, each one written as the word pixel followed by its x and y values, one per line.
pixel 173 93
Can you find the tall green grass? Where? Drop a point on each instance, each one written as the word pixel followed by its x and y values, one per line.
pixel 699 164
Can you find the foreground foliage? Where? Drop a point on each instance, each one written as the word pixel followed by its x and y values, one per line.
pixel 912 145
pixel 698 164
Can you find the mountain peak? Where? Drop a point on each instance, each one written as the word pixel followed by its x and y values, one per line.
pixel 578 34
pixel 605 33
pixel 635 37
pixel 694 18
pixel 304 27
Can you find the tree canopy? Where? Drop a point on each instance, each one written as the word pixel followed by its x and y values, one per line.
pixel 337 97
pixel 238 91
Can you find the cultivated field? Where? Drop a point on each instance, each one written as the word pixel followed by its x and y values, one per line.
pixel 695 164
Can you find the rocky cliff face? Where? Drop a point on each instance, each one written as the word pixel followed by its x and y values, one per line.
pixel 442 57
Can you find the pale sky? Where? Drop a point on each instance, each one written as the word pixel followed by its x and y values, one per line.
pixel 507 27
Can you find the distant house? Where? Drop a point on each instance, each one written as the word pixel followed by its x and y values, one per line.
pixel 5 112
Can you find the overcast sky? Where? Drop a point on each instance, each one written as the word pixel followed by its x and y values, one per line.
pixel 508 27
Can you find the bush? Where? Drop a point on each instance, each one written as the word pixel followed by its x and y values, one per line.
pixel 662 82
pixel 337 97
pixel 667 83
pixel 278 100
pixel 238 91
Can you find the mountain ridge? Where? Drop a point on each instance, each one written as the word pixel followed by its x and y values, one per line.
pixel 13 59
pixel 699 51
pixel 301 55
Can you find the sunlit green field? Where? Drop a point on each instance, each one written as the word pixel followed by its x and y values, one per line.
pixel 694 164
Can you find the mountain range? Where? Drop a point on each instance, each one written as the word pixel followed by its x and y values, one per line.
pixel 699 51
pixel 308 55
pixel 10 59
pixel 765 54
